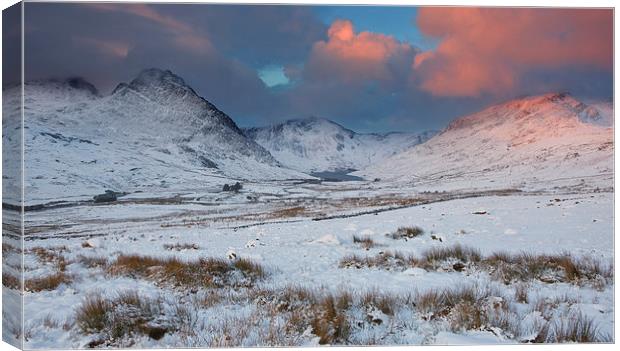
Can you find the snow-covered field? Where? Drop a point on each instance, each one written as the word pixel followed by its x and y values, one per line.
pixel 328 273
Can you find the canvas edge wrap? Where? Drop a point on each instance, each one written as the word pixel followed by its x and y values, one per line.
pixel 12 179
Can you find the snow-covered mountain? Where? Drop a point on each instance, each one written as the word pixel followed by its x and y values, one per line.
pixel 154 132
pixel 532 141
pixel 316 144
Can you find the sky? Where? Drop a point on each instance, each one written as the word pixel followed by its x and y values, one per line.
pixel 369 68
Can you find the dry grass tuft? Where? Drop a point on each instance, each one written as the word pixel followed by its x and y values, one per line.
pixel 521 292
pixel 365 241
pixel 10 281
pixel 435 256
pixel 575 327
pixel 330 323
pixel 6 248
pixel 205 272
pixel 249 267
pixel 49 282
pixel 92 261
pixel 118 317
pixel 383 260
pixel 52 255
pixel 407 233
pixel 565 268
pixel 289 212
pixel 181 247
pixel 467 308
pixel 386 303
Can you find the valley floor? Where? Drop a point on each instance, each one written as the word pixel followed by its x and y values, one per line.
pixel 309 264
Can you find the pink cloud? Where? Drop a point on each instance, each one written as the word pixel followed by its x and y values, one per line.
pixel 354 56
pixel 113 48
pixel 485 50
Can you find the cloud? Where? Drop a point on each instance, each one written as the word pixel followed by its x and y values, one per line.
pixel 118 49
pixel 350 56
pixel 363 79
pixel 259 35
pixel 350 76
pixel 185 35
pixel 488 50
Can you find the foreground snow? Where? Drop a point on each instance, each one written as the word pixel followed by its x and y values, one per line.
pixel 296 250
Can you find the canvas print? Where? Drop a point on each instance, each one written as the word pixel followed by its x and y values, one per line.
pixel 227 175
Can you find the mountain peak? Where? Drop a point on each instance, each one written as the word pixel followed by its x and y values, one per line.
pixel 157 76
pixel 557 104
pixel 156 83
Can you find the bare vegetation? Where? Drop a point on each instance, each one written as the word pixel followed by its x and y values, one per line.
pixel 565 268
pixel 92 261
pixel 521 292
pixel 52 255
pixel 406 233
pixel 48 282
pixel 365 241
pixel 181 247
pixel 507 268
pixel 205 272
pixel 575 327
pixel 331 316
pixel 383 260
pixel 10 281
pixel 434 257
pixel 468 308
pixel 330 322
pixel 119 317
pixel 6 248
pixel 289 212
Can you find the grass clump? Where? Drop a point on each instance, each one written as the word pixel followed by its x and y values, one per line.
pixel 330 322
pixel 521 292
pixel 383 260
pixel 406 233
pixel 204 272
pixel 181 247
pixel 575 327
pixel 468 308
pixel 365 241
pixel 502 266
pixel 289 212
pixel 92 261
pixel 10 281
pixel 565 268
pixel 386 303
pixel 435 256
pixel 249 267
pixel 48 282
pixel 119 317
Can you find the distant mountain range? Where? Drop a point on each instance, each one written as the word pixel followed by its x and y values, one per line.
pixel 316 144
pixel 155 132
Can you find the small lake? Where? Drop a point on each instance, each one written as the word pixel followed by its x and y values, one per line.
pixel 337 176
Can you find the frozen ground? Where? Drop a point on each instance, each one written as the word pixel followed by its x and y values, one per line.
pixel 302 235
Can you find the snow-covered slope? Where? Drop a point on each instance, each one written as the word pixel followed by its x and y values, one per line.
pixel 152 133
pixel 316 144
pixel 535 141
